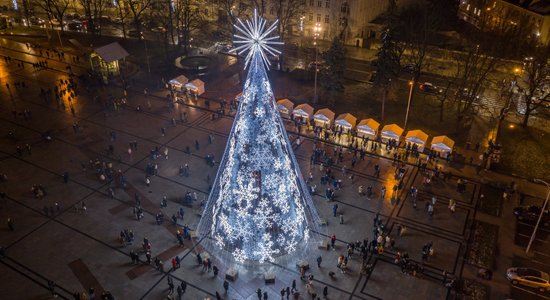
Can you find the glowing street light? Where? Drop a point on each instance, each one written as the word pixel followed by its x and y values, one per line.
pixel 316 31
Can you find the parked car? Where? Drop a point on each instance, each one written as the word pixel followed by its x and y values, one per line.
pixel 118 21
pixel 372 78
pixel 134 33
pixel 74 25
pixel 427 87
pixel 409 68
pixel 529 277
pixel 55 22
pixel 158 29
pixel 530 214
pixel 37 21
pixel 319 64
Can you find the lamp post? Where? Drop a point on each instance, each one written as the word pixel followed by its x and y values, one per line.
pixel 146 52
pixel 317 30
pixel 411 83
pixel 541 213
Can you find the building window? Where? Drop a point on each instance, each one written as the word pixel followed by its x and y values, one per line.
pixel 311 17
pixel 327 4
pixel 327 19
pixel 271 11
pixel 206 11
pixel 319 3
pixel 311 2
pixel 318 18
pixel 345 8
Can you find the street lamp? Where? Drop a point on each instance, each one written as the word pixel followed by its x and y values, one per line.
pixel 541 213
pixel 411 83
pixel 316 30
pixel 146 52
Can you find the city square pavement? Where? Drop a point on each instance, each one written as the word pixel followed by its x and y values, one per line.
pixel 80 249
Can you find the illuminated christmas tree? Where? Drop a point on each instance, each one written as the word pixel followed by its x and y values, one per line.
pixel 259 208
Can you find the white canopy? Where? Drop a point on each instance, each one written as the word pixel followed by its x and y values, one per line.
pixel 369 126
pixel 285 106
pixel 180 80
pixel 346 120
pixel 303 110
pixel 442 143
pixel 392 131
pixel 417 137
pixel 324 115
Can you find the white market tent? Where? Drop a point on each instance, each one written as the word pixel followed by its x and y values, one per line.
pixel 178 83
pixel 418 137
pixel 368 128
pixel 303 112
pixel 391 131
pixel 196 86
pixel 323 117
pixel 347 121
pixel 442 144
pixel 285 107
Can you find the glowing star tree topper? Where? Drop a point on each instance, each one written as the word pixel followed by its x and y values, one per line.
pixel 254 38
pixel 259 208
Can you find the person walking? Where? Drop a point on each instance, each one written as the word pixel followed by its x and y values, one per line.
pixel 341 218
pixel 10 224
pixel 334 209
pixel 452 205
pixel 259 294
pixel 325 291
pixel 319 260
pixel 225 286
pixel 333 241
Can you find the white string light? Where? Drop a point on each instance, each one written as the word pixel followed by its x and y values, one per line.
pixel 259 208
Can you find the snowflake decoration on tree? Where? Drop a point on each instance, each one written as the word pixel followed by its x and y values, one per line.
pixel 254 38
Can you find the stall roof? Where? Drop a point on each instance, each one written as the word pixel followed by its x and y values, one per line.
pixel 417 136
pixel 346 119
pixel 286 104
pixel 324 114
pixel 179 80
pixel 370 123
pixel 303 109
pixel 111 52
pixel 195 83
pixel 443 142
pixel 393 128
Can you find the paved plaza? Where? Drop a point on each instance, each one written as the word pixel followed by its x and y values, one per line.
pixel 55 239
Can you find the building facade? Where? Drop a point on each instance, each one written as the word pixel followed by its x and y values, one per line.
pixel 533 14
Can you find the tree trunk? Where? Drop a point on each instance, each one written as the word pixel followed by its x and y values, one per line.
pixel 526 116
pixel 441 108
pixel 384 98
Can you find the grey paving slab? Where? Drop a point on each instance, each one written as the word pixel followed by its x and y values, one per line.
pixel 404 286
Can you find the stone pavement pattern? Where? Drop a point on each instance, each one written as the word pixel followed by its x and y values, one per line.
pixel 78 250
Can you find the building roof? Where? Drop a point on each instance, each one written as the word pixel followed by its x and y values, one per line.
pixel 287 104
pixel 346 120
pixel 324 114
pixel 370 123
pixel 111 52
pixel 417 136
pixel 541 7
pixel 443 142
pixel 303 109
pixel 392 128
pixel 179 80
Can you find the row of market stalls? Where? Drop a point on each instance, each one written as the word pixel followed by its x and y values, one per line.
pixel 367 128
pixel 182 84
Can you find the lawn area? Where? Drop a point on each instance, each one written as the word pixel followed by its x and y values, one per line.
pixel 483 245
pixel 492 200
pixel 524 151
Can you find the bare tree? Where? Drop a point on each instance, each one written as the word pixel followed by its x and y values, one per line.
pixel 234 9
pixel 123 12
pixel 55 9
pixel 189 17
pixel 93 9
pixel 534 87
pixel 137 8
pixel 288 11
